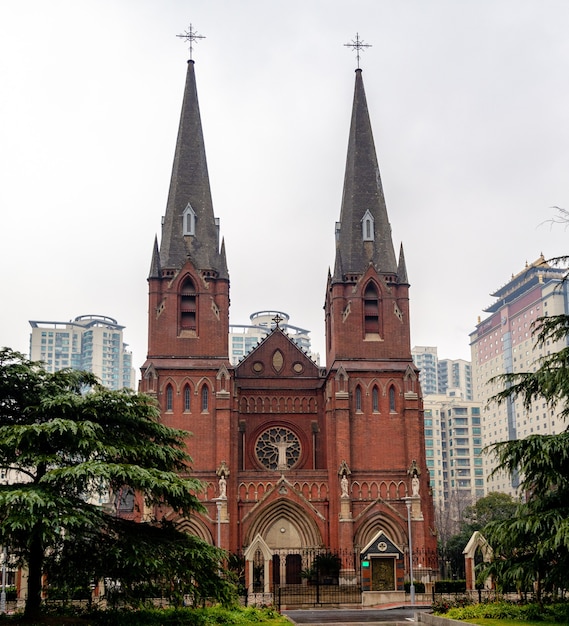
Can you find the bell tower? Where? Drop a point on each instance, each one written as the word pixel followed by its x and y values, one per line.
pixel 374 416
pixel 367 303
pixel 188 280
pixel 188 314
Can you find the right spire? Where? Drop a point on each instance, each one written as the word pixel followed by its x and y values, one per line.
pixel 363 234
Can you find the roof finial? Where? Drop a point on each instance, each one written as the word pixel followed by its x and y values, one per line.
pixel 277 319
pixel 191 35
pixel 358 44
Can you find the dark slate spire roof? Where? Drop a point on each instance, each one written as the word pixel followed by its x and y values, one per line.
pixel 155 267
pixel 402 268
pixel 190 185
pixel 362 193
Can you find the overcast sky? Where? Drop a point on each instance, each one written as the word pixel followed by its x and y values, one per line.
pixel 469 103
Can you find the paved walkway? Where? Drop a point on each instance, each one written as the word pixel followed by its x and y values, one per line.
pixel 401 614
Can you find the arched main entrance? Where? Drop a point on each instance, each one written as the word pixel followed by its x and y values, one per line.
pixel 281 539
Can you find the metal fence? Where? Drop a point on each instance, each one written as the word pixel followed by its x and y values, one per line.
pixel 474 596
pixel 296 596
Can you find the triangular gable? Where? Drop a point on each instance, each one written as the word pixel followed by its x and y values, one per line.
pixel 277 356
pixel 258 544
pixel 283 488
pixel 381 545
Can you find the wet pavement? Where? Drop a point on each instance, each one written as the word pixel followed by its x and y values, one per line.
pixel 355 617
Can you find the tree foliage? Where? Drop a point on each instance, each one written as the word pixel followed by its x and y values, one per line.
pixel 533 546
pixel 66 443
pixel 493 507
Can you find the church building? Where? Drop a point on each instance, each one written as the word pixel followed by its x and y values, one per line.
pixel 303 465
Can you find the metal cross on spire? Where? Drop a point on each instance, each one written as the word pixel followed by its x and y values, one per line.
pixel 358 44
pixel 192 36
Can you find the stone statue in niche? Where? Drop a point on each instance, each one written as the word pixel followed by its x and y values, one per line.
pixel 415 485
pixel 414 472
pixel 222 487
pixel 344 486
pixel 223 472
pixel 344 472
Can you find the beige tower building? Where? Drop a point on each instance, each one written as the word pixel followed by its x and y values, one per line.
pixel 503 343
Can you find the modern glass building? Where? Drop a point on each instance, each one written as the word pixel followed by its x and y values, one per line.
pixel 89 342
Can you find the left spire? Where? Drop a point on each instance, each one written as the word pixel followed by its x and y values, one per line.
pixel 191 36
pixel 190 229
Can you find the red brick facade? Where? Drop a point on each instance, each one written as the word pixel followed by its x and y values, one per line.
pixel 293 456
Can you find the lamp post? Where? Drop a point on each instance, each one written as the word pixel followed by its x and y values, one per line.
pixel 3 592
pixel 412 585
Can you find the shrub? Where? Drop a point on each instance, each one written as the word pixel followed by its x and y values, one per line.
pixel 213 616
pixel 441 607
pixel 450 586
pixel 558 612
pixel 11 593
pixel 419 587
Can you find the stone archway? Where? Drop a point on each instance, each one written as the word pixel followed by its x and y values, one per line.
pixel 476 542
pixel 194 526
pixel 392 527
pixel 289 533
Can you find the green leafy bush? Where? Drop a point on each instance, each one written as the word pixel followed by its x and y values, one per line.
pixel 187 617
pixel 534 612
pixel 419 587
pixel 440 607
pixel 450 586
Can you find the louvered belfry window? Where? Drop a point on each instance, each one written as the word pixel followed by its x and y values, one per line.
pixel 188 305
pixel 371 310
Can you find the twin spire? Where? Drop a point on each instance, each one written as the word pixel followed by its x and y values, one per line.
pixel 363 234
pixel 190 230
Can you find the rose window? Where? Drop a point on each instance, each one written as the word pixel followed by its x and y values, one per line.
pixel 278 449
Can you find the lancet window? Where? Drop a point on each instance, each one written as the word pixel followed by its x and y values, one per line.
pixel 188 305
pixel 371 310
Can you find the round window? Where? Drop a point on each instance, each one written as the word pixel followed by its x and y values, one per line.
pixel 278 448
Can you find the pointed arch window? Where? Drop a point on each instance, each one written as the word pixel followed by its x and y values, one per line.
pixel 205 399
pixel 368 227
pixel 371 310
pixel 188 305
pixel 187 399
pixel 189 220
pixel 392 407
pixel 169 398
pixel 375 399
pixel 358 399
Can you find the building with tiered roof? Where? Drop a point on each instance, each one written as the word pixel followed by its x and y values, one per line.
pixel 503 343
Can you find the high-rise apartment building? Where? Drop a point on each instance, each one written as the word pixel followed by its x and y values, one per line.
pixel 426 359
pixel 453 375
pixel 444 375
pixel 453 443
pixel 89 342
pixel 503 343
pixel 243 338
